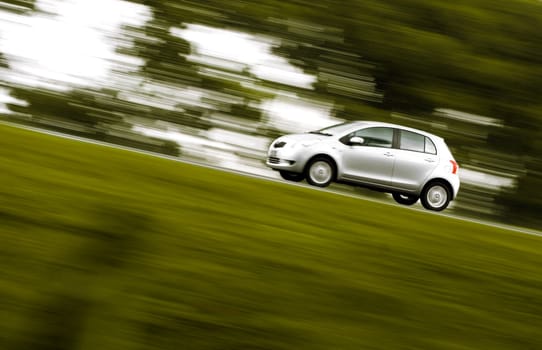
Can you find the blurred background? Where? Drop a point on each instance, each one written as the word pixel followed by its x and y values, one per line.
pixel 216 81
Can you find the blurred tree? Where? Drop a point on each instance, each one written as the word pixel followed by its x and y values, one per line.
pixel 166 62
pixel 74 106
pixel 18 6
pixel 98 114
pixel 523 205
pixel 3 61
pixel 164 54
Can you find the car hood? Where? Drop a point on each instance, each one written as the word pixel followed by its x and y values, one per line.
pixel 306 137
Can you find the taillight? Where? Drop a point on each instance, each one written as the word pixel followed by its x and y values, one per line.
pixel 455 166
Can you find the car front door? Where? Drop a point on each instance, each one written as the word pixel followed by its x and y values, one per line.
pixel 371 161
pixel 415 160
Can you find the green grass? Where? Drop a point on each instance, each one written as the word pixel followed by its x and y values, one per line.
pixel 108 249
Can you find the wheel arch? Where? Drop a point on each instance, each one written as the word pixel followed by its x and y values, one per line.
pixel 323 155
pixel 444 182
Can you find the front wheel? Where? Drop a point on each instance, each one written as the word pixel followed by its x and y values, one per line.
pixel 405 199
pixel 287 175
pixel 435 196
pixel 320 172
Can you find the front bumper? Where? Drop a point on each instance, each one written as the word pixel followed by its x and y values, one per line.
pixel 284 159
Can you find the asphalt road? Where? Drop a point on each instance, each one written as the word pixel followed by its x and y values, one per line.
pixel 342 190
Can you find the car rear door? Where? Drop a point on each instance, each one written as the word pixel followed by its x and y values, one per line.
pixel 415 159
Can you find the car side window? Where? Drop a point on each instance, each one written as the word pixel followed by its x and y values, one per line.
pixel 430 146
pixel 376 137
pixel 410 141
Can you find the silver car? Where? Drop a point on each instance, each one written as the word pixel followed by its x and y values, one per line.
pixel 408 163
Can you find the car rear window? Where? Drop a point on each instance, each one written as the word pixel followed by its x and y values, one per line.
pixel 411 141
pixel 430 146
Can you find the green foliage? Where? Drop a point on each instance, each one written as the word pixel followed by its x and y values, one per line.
pixel 102 248
pixel 524 205
pixel 75 106
pixel 3 61
pixel 18 6
pixel 164 54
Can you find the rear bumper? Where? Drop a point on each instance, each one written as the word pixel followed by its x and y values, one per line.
pixel 454 181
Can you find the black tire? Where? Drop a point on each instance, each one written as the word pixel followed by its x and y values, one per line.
pixel 287 175
pixel 320 171
pixel 405 199
pixel 436 196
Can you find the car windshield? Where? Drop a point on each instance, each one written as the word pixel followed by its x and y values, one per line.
pixel 334 129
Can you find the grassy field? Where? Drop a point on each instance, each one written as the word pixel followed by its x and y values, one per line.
pixel 108 249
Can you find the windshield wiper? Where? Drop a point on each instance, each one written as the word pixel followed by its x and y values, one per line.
pixel 320 133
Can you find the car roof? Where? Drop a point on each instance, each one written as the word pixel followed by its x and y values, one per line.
pixel 369 123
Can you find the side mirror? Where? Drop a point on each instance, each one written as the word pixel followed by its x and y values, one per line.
pixel 356 141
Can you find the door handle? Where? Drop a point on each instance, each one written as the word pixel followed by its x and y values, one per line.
pixel 388 154
pixel 429 160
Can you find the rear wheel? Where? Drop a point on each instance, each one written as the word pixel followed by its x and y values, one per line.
pixel 287 175
pixel 405 199
pixel 320 172
pixel 435 196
